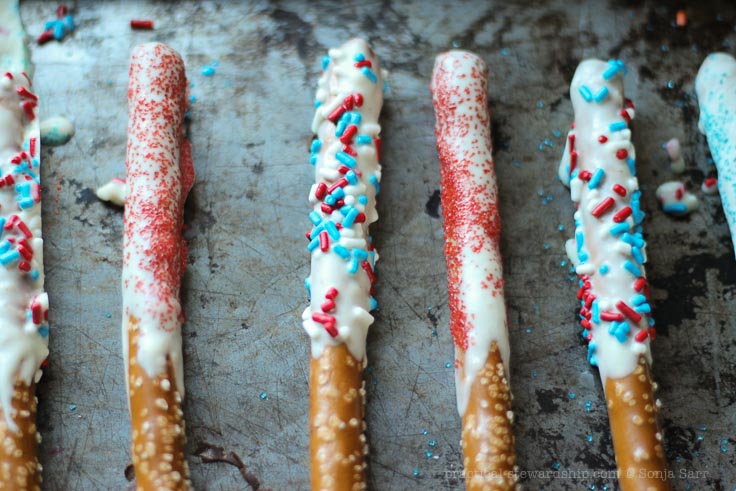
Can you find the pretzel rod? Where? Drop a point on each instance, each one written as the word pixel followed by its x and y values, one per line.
pixel 24 306
pixel 715 86
pixel 475 277
pixel 345 153
pixel 159 176
pixel 609 253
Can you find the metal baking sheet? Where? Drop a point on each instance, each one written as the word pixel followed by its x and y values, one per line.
pixel 246 354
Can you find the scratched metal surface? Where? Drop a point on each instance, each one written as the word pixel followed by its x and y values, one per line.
pixel 243 290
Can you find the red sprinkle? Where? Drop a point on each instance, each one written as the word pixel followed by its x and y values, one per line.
pixel 340 183
pixel 640 283
pixel 367 267
pixel 573 160
pixel 360 217
pixel 625 114
pixel 585 175
pixel 348 134
pixel 327 305
pixel 337 113
pixel 23 92
pixel 603 207
pixel 45 37
pixel 619 189
pixel 571 138
pixel 349 150
pixel 24 228
pixel 331 293
pixel 348 102
pixel 321 190
pixel 679 193
pixel 628 311
pixel 358 99
pixel 363 63
pixel 585 323
pixel 36 312
pixel 141 24
pixel 652 333
pixel 622 214
pixel 611 316
pixel 710 182
pixel 326 208
pixel 628 103
pixel 602 139
pixel 377 142
pixel 32 146
pixel 27 254
pixel 324 241
pixel 641 335
pixel 24 266
pixel 28 107
pixel 622 153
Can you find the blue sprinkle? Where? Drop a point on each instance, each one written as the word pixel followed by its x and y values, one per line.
pixel 631 268
pixel 556 466
pixel 369 74
pixel 353 266
pixel 360 254
pixel 585 93
pixel 313 159
pixel 601 95
pixel 560 227
pixel 263 396
pixel 675 208
pixel 644 308
pixel 43 331
pixel 340 128
pixel 604 269
pixel 632 165
pixel 332 230
pixel 651 322
pixel 428 454
pixel 571 395
pixel 432 443
pixel 317 103
pixel 315 217
pixel 374 180
pixel 346 159
pixel 25 203
pixel 9 257
pixel 363 199
pixel 192 98
pixel 619 228
pixel 325 62
pixel 416 473
pixel 308 286
pixel 596 312
pixel 638 299
pixel 590 439
pixel 341 251
pixel 352 177
pixel 556 133
pixel 315 232
pixel 363 140
pixel 424 432
pixel 579 239
pixel 359 57
pixel 592 359
pixel 208 71
pixel 618 126
pixel 355 118
pixel 338 193
pixel 546 247
pixel 34 275
pixel 346 209
pixel 563 263
pixel 373 304
pixel 596 179
pixel 588 405
pixel 316 145
pixel 582 256
pixel 313 244
pixel 638 255
pixel 620 330
pixel 72 407
pixel 540 104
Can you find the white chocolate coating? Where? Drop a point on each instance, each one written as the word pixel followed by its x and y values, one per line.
pixel 715 86
pixel 113 192
pixel 675 199
pixel 471 218
pixel 24 327
pixel 608 248
pixel 344 264
pixel 14 55
pixel 674 152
